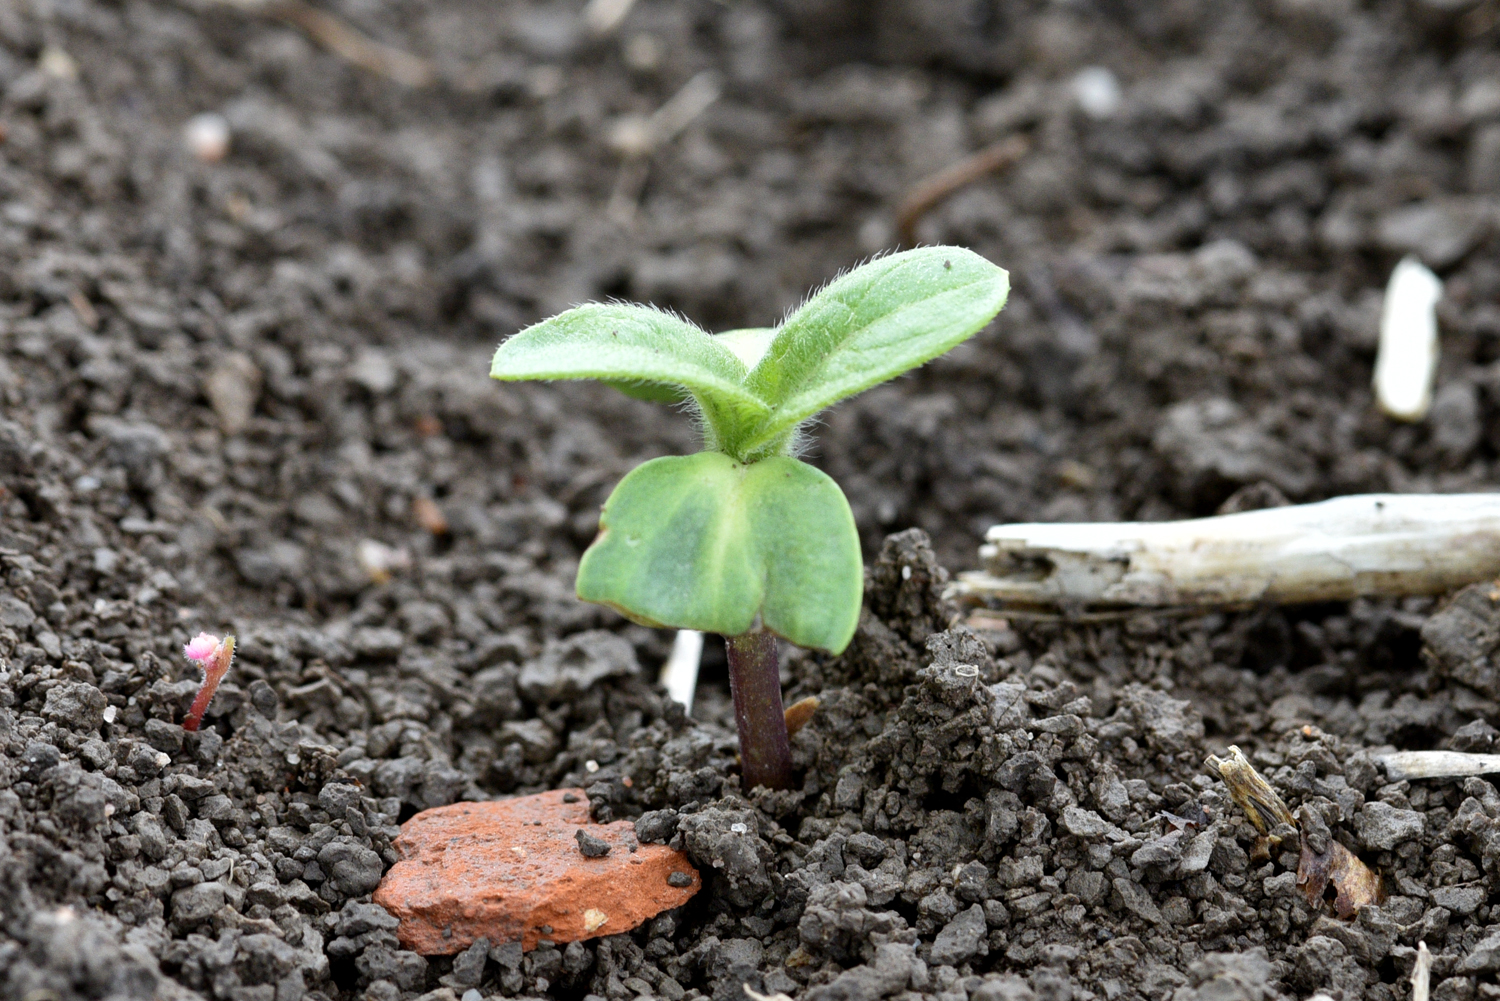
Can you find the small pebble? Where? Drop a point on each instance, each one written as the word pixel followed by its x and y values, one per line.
pixel 207 136
pixel 56 63
pixel 642 52
pixel 1097 92
pixel 591 846
pixel 233 389
pixel 679 880
pixel 604 16
pixel 379 561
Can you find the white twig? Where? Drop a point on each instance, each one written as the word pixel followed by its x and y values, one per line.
pixel 1406 361
pixel 679 675
pixel 756 995
pixel 1364 545
pixel 695 97
pixel 1437 764
pixel 1421 974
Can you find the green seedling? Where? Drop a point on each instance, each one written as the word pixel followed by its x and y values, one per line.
pixel 743 539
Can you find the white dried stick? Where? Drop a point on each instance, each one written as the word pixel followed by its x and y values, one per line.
pixel 1400 765
pixel 1349 547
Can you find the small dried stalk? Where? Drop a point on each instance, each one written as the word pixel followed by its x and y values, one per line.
pixel 1421 974
pixel 1262 805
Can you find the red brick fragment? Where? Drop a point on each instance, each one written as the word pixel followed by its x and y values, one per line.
pixel 489 870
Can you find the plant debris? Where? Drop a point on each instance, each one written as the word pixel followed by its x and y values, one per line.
pixel 1325 861
pixel 1252 793
pixel 1421 974
pixel 800 713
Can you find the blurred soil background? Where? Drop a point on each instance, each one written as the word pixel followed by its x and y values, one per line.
pixel 249 394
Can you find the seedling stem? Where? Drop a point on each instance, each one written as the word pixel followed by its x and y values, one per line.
pixel 755 685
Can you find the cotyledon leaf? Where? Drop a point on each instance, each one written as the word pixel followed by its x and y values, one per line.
pixel 707 542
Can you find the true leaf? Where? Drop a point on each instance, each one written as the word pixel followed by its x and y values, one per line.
pixel 706 542
pixel 747 345
pixel 651 392
pixel 874 323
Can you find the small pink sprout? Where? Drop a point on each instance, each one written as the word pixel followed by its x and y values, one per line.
pixel 214 656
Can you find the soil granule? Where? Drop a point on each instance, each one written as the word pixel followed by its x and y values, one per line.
pixel 248 396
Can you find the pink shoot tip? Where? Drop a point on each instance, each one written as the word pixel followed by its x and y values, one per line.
pixel 215 656
pixel 201 647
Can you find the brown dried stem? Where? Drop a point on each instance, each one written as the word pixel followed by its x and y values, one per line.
pixel 932 190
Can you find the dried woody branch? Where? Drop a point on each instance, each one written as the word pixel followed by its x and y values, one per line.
pixel 1400 765
pixel 1335 550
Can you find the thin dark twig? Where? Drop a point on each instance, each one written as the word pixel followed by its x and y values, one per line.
pixel 931 191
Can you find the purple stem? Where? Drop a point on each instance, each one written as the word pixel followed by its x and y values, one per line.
pixel 755 683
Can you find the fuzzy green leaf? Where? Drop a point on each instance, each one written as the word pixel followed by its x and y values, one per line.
pixel 630 344
pixel 747 345
pixel 707 542
pixel 871 325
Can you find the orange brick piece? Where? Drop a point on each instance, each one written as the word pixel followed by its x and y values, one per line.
pixel 490 870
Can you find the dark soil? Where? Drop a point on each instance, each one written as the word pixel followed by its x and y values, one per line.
pixel 222 383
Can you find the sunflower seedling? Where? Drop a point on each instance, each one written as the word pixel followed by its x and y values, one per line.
pixel 743 539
